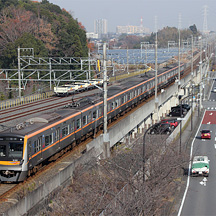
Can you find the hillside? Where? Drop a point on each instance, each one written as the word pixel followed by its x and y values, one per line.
pixel 44 26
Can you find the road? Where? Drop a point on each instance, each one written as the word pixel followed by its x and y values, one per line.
pixel 200 199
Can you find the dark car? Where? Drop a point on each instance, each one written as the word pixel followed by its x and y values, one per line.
pixel 184 106
pixel 177 112
pixel 160 128
pixel 173 122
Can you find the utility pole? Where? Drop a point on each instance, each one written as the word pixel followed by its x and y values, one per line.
pixel 192 82
pixel 201 75
pixel 50 69
pixel 156 81
pixel 192 56
pixel 106 140
pixel 127 61
pixel 179 53
pixel 89 64
pixel 19 77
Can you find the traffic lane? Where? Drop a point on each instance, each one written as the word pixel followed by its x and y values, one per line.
pixel 201 195
pixel 213 92
pixel 209 118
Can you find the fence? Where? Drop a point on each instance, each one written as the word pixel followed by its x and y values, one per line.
pixel 24 100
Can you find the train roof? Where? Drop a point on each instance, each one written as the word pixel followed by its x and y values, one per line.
pixel 35 123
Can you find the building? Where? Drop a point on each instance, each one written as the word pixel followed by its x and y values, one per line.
pixel 100 27
pixel 91 35
pixel 132 30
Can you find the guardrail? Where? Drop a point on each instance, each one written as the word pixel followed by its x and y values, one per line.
pixel 24 100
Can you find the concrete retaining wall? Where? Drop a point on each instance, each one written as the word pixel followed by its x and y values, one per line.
pixel 33 199
pixel 94 149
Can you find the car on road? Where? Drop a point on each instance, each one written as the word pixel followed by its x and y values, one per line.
pixel 160 128
pixel 205 134
pixel 214 89
pixel 200 166
pixel 173 122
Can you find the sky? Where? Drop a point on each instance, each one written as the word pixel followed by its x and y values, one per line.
pixel 156 14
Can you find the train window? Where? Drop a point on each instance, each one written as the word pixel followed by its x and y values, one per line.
pixel 94 115
pixel 48 140
pixel 35 146
pixel 72 126
pixel 84 120
pixel 2 150
pixel 39 143
pixel 113 105
pixel 57 134
pixel 78 123
pixel 139 91
pixel 116 103
pixel 122 100
pixel 100 111
pixel 15 150
pixel 65 131
pixel 90 116
pixel 109 107
pixel 135 93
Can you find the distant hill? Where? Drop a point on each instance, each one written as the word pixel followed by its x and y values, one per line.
pixel 44 26
pixel 164 35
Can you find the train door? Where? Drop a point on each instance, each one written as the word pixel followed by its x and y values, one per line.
pixel 57 138
pixel 39 147
pixel 72 129
pixel 78 128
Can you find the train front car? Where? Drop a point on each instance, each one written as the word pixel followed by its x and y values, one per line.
pixel 13 165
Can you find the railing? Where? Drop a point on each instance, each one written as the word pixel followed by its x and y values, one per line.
pixel 24 100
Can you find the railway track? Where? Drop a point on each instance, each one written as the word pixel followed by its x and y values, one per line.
pixel 35 108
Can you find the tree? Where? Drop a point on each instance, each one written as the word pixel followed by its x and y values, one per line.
pixel 193 28
pixel 13 23
pixel 9 55
pixel 116 185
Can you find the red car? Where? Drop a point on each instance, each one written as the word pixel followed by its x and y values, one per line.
pixel 173 122
pixel 205 134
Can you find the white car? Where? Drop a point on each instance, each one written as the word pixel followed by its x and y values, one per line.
pixel 200 166
pixel 214 89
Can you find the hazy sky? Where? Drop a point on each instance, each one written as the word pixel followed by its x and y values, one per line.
pixel 125 12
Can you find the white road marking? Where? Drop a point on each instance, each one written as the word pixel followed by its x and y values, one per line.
pixel 209 123
pixel 210 113
pixel 215 138
pixel 215 146
pixel 189 169
pixel 203 182
pixel 205 179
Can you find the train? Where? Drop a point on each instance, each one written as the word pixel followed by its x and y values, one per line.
pixel 77 86
pixel 27 146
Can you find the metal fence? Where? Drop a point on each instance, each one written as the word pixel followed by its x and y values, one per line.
pixel 24 100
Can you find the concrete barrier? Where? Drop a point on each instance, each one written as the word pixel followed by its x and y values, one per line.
pixel 94 149
pixel 32 201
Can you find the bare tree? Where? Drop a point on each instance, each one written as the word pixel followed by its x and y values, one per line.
pixel 116 186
